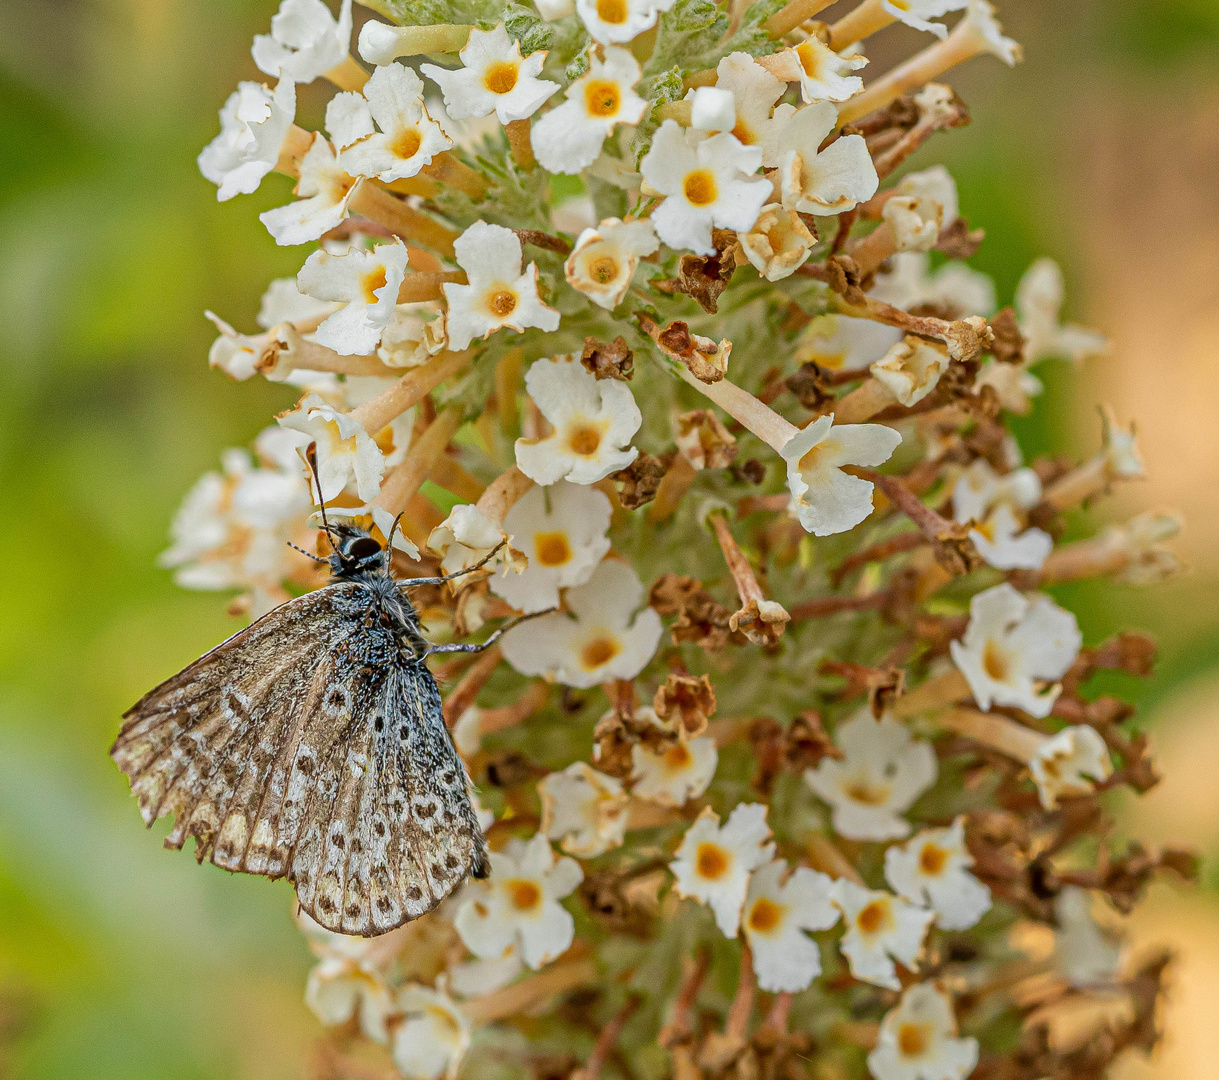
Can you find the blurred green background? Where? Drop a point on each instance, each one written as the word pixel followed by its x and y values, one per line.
pixel 120 960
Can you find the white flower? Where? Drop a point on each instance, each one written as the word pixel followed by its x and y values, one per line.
pixel 754 93
pixel 777 913
pixel 603 261
pixel 433 1037
pixel 366 283
pixel 325 188
pixel 881 928
pixel 919 13
pixel 1068 763
pixel 602 639
pixel 1039 307
pixel 345 451
pixel 952 287
pixel 612 21
pixel 924 203
pixel 472 978
pixel 394 439
pixel 884 770
pixel 778 243
pixel 1014 645
pixel 339 988
pixel 812 180
pixel 415 333
pixel 464 538
pixel 305 40
pixel 561 530
pixel 593 419
pixel 1084 953
pixel 840 342
pixel 713 863
pixel 1014 385
pixel 583 809
pixel 253 123
pixel 519 904
pixel 918 1040
pixel 984 497
pixel 284 302
pixel 982 28
pixel 704 181
pixel 677 774
pixel 712 108
pixel 498 294
pixel 233 353
pixel 493 78
pixel 819 70
pixel 550 10
pixel 932 870
pixel 826 499
pixel 910 370
pixel 569 137
pixel 408 138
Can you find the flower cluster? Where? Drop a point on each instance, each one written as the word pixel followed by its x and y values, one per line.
pixel 637 302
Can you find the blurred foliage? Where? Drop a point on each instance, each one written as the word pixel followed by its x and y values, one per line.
pixel 117 959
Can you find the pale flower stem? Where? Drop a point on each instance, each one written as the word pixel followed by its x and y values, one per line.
pixel 502 494
pixel 780 1012
pixel 463 695
pixel 996 731
pixel 862 403
pixel 741 1009
pixel 427 285
pixel 824 855
pixel 522 148
pixel 921 68
pixel 440 38
pixel 747 586
pixel 791 15
pixel 406 477
pixel 856 25
pixel 681 1024
pixel 451 475
pixel 448 171
pixel 1080 484
pixel 380 206
pixel 408 391
pixel 1083 559
pixel 676 110
pixel 295 146
pixel 741 405
pixel 286 347
pixel 413 185
pixel 936 693
pixel 874 248
pixel 493 720
pixel 644 814
pixel 529 993
pixel 673 487
pixel 348 74
pixel 591 1070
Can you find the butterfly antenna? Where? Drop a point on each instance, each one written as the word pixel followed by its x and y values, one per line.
pixel 389 544
pixel 308 554
pixel 311 458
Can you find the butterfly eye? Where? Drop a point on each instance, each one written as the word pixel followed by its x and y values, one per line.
pixel 363 548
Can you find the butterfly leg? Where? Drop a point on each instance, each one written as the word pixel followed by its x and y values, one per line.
pixel 473 647
pixel 410 583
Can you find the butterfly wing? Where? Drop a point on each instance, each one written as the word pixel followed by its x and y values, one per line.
pixel 309 745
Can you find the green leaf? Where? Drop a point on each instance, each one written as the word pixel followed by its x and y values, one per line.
pixel 434 12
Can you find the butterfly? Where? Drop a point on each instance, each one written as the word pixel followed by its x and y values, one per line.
pixel 311 745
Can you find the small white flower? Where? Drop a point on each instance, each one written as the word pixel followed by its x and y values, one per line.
pixel 843 343
pixel 584 810
pixel 1120 448
pixel 253 123
pixel 561 530
pixel 366 283
pixel 550 10
pixel 812 180
pixel 494 77
pixel 1039 299
pixel 233 353
pixel 602 639
pixel 473 978
pixel 754 93
pixel 345 451
pixel 881 928
pixel 819 70
pixel 918 1040
pixel 604 259
pixel 415 333
pixel 677 774
pixel 1084 953
pixel 284 302
pixel 924 203
pixel 713 863
pixel 777 912
pixel 826 499
pixel 705 182
pixel 569 137
pixel 932 870
pixel 1069 763
pixel 1139 542
pixel 408 138
pixel 432 1040
pixel 464 538
pixel 615 21
pixel 884 770
pixel 1014 385
pixel 953 287
pixel 919 13
pixel 910 370
pixel 712 108
pixel 339 988
pixel 593 419
pixel 1013 646
pixel 991 501
pixel 981 27
pixel 305 41
pixel 519 904
pixel 498 293
pixel 778 243
pixel 325 188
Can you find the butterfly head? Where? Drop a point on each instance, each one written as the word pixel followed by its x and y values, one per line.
pixel 355 552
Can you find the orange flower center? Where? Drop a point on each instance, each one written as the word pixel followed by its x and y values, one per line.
pixel 602 98
pixel 603 270
pixel 869 794
pixel 677 757
pixel 583 439
pixel 932 859
pixel 913 1039
pixel 612 11
pixel 407 144
pixel 598 652
pixel 765 916
pixel 552 548
pixel 525 895
pixel 373 280
pixel 502 302
pixel 712 862
pixel 744 133
pixel 995 662
pixel 500 77
pixel 699 187
pixel 873 917
pixel 810 59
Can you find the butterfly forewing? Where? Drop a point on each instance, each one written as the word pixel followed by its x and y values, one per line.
pixel 312 745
